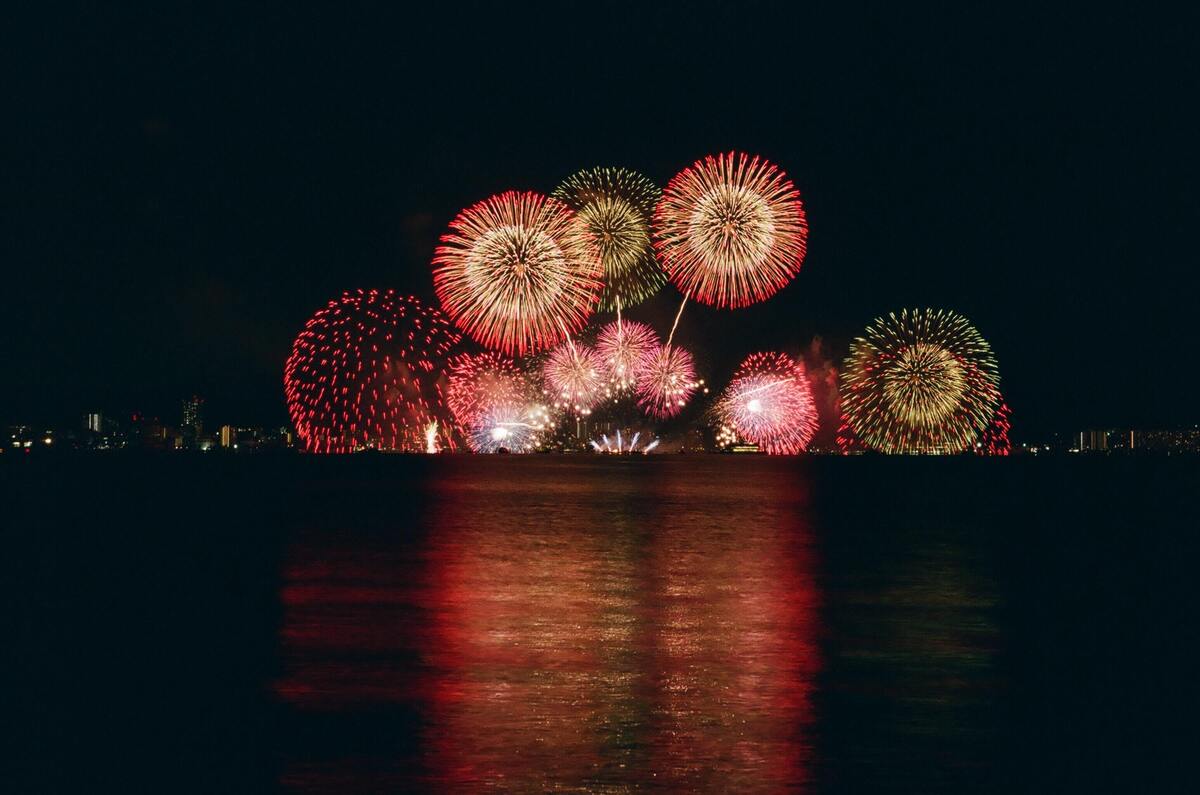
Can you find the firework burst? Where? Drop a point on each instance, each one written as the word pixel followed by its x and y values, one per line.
pixel 666 381
pixel 575 377
pixel 623 348
pixel 994 440
pixel 616 204
pixel 923 381
pixel 366 373
pixel 480 382
pixel 515 428
pixel 518 272
pixel 769 402
pixel 730 230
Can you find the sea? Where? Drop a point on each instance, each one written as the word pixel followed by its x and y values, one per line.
pixel 584 623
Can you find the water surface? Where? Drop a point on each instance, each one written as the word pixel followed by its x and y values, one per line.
pixel 709 623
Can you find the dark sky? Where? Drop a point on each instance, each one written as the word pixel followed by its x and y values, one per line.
pixel 185 187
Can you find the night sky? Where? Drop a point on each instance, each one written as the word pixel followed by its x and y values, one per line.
pixel 183 188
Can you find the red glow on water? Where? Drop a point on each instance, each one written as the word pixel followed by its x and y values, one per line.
pixel 591 658
pixel 584 657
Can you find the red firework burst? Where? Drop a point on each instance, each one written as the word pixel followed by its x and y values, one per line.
pixel 623 348
pixel 730 230
pixel 480 383
pixel 366 373
pixel 847 440
pixel 769 402
pixel 994 439
pixel 666 381
pixel 575 377
pixel 518 272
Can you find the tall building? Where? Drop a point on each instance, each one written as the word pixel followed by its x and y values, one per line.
pixel 94 422
pixel 228 436
pixel 193 416
pixel 1093 441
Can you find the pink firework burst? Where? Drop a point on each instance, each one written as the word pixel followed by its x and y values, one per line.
pixel 769 402
pixel 666 381
pixel 623 348
pixel 482 382
pixel 575 377
pixel 730 230
pixel 518 272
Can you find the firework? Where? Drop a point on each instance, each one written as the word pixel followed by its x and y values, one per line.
pixel 496 403
pixel 515 428
pixel 616 205
pixel 994 439
pixel 847 441
pixel 769 402
pixel 518 272
pixel 726 436
pixel 480 382
pixel 923 381
pixel 623 348
pixel 666 381
pixel 730 230
pixel 575 377
pixel 366 373
pixel 619 446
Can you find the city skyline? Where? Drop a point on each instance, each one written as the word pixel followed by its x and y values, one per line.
pixel 189 428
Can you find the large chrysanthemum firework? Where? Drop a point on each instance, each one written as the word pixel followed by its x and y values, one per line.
pixel 366 372
pixel 480 382
pixel 518 272
pixel 575 377
pixel 730 230
pixel 769 402
pixel 623 348
pixel 616 205
pixel 923 381
pixel 666 381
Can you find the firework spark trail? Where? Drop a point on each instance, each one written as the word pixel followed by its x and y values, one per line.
pixel 621 448
pixel 366 371
pixel 675 325
pixel 518 272
pixel 616 205
pixel 923 381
